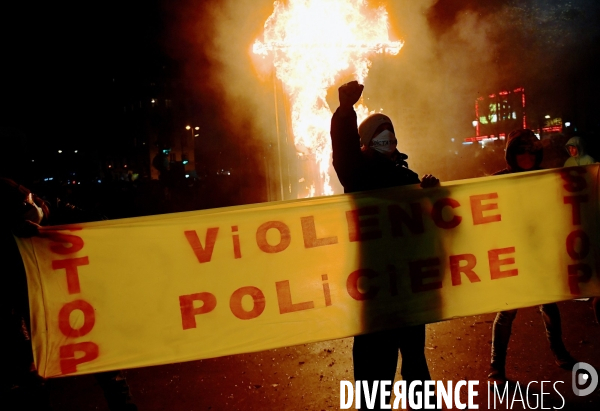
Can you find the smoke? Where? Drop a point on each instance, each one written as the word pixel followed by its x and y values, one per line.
pixel 454 52
pixel 429 90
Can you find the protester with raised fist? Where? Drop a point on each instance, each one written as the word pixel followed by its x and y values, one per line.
pixel 366 158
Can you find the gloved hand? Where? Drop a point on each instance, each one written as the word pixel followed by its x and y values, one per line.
pixel 349 93
pixel 26 229
pixel 429 181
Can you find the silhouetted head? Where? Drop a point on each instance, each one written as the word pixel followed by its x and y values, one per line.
pixel 18 201
pixel 377 132
pixel 524 150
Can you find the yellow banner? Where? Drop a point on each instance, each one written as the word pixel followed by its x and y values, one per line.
pixel 179 287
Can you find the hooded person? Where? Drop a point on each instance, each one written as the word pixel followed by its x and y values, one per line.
pixel 576 149
pixel 22 213
pixel 578 157
pixel 524 153
pixel 367 158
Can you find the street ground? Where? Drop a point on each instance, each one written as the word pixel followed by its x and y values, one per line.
pixel 307 377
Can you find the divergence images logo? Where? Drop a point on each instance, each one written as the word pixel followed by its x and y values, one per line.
pixel 584 374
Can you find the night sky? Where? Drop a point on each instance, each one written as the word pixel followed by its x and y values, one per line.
pixel 68 67
pixel 61 58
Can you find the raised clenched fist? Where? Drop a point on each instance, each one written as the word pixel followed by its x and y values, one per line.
pixel 349 93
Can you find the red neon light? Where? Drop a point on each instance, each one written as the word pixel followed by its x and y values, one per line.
pixel 552 129
pixel 481 138
pixel 473 139
pixel 477 118
pixel 523 100
pixel 501 136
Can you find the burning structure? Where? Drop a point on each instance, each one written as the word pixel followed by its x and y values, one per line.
pixel 312 43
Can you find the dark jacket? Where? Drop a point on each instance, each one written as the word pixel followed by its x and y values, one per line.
pixel 14 296
pixel 517 141
pixel 14 284
pixel 361 171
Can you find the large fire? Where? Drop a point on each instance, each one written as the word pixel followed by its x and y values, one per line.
pixel 312 42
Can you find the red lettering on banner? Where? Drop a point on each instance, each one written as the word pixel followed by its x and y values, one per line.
pixel 578 273
pixel 86 351
pixel 203 254
pixel 420 270
pixel 352 284
pixel 309 234
pixel 584 246
pixel 284 298
pixel 467 269
pixel 575 202
pixel 496 263
pixel 477 209
pixel 284 233
pixel 68 362
pixel 573 180
pixel 76 243
pixel 437 213
pixel 399 216
pixel 355 224
pixel 189 312
pixel 70 265
pixel 237 251
pixel 89 318
pixel 577 250
pixel 326 292
pixel 235 303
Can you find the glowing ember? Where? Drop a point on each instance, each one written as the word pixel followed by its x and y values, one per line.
pixel 312 42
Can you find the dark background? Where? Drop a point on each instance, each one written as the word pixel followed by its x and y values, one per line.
pixel 80 76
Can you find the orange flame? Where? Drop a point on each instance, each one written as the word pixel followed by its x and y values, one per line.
pixel 312 42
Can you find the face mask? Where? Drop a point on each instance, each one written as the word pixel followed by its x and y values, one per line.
pixel 384 142
pixel 34 214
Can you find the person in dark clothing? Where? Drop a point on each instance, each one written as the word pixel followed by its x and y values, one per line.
pixel 524 153
pixel 21 214
pixel 366 158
